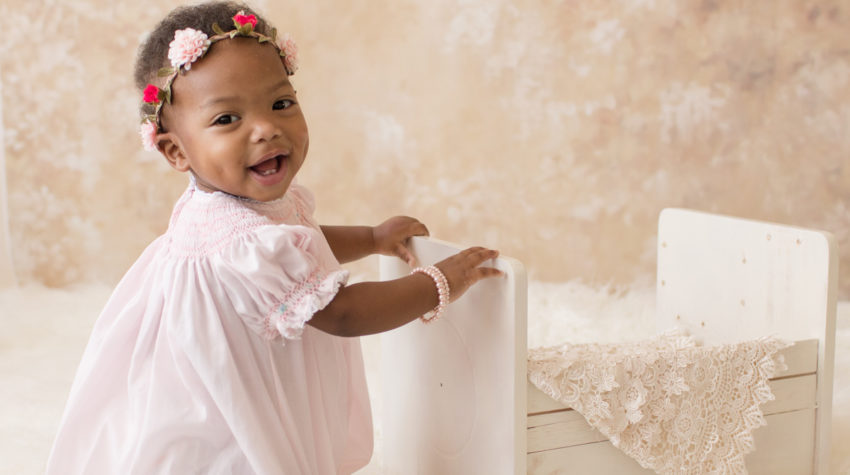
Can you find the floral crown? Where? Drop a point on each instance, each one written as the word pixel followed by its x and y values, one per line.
pixel 190 45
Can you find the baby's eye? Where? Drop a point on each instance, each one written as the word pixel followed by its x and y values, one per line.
pixel 226 119
pixel 283 104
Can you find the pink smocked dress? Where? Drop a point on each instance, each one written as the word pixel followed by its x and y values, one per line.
pixel 201 361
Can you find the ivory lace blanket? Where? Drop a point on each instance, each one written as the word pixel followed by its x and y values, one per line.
pixel 674 406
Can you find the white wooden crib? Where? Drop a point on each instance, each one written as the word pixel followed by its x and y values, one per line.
pixel 457 399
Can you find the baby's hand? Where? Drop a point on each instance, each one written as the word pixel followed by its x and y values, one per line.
pixel 461 270
pixel 391 237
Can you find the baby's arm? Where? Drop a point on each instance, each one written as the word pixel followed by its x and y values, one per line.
pixel 350 243
pixel 373 307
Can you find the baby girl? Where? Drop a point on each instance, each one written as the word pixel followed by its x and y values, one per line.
pixel 227 347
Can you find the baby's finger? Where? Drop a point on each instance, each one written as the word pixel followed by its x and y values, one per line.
pixel 482 254
pixel 486 272
pixel 419 229
pixel 404 254
pixel 471 251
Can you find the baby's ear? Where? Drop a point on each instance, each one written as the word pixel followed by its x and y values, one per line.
pixel 170 148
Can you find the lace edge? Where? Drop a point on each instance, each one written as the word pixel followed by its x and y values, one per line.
pixel 289 315
pixel 768 365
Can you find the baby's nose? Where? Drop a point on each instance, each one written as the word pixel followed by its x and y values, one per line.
pixel 264 130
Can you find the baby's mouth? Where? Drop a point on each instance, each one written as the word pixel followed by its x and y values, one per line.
pixel 268 167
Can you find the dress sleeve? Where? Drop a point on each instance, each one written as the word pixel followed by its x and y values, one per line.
pixel 278 276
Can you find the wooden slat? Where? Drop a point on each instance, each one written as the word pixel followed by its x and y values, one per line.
pixel 801 358
pixel 548 418
pixel 600 458
pixel 572 429
pixel 784 447
pixel 798 392
pixel 538 402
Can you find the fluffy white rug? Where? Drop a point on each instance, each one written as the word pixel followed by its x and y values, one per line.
pixel 45 331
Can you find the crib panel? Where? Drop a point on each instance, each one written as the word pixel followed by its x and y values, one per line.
pixel 728 279
pixel 453 395
pixel 717 273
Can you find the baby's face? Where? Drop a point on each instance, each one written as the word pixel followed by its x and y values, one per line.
pixel 235 122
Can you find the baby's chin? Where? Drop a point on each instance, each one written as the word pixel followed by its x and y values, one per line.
pixel 270 198
pixel 262 195
pixel 255 188
pixel 272 192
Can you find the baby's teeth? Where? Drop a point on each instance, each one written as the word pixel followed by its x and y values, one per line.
pixel 269 172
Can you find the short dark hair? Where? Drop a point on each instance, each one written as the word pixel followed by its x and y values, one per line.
pixel 153 52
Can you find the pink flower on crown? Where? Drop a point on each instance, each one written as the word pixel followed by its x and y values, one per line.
pixel 188 45
pixel 241 18
pixel 290 51
pixel 148 133
pixel 151 94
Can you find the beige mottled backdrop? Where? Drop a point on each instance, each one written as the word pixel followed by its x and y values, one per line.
pixel 553 130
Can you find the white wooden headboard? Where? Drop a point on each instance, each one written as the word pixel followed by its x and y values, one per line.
pixel 728 279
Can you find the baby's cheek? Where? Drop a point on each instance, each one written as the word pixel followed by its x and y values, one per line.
pixel 304 139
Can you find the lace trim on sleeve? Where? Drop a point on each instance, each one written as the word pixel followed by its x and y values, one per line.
pixel 671 405
pixel 288 317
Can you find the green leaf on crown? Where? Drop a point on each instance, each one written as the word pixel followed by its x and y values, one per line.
pixel 167 71
pixel 217 29
pixel 245 30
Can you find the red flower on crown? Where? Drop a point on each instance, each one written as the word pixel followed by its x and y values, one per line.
pixel 151 94
pixel 241 18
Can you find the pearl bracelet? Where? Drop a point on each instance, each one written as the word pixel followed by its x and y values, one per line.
pixel 442 291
